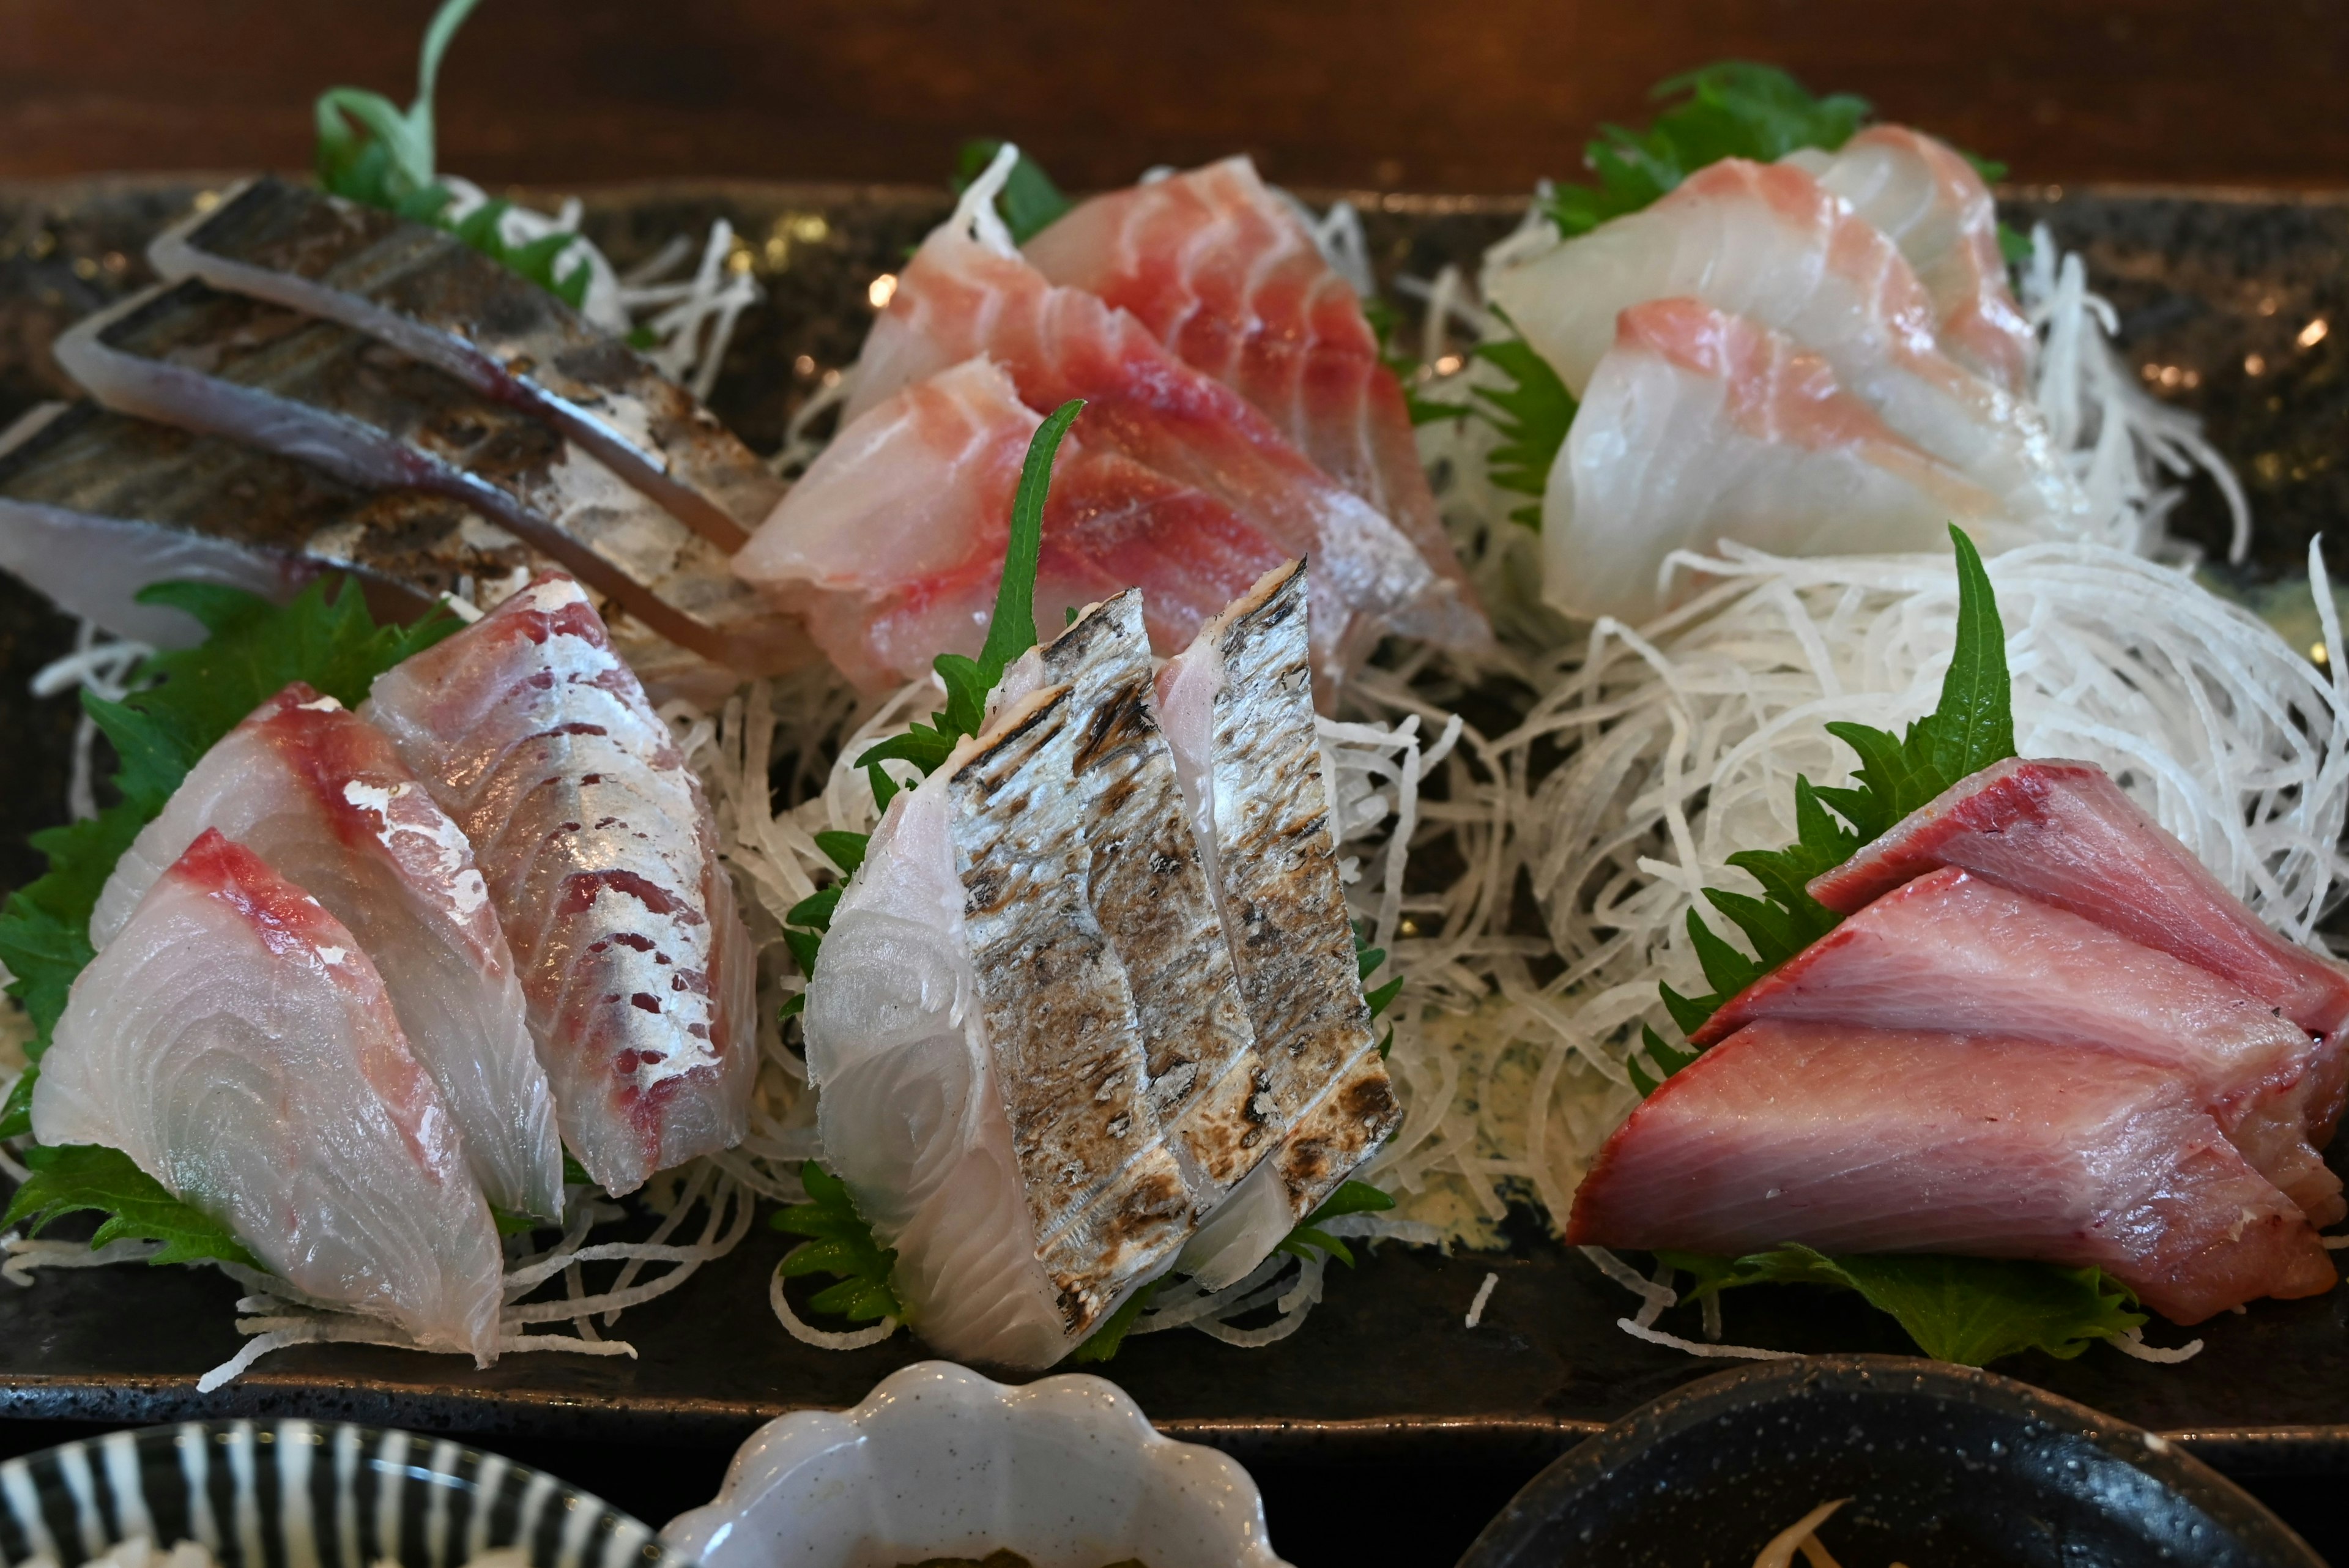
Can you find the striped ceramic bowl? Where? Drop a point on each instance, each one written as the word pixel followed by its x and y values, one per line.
pixel 306 1494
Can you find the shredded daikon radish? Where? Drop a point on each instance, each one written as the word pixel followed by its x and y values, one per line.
pixel 103 667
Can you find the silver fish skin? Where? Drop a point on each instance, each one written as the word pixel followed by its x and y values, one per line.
pixel 1107 1199
pixel 373 417
pixel 601 859
pixel 95 506
pixel 429 294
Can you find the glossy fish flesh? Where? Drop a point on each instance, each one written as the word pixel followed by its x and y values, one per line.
pixel 1858 1140
pixel 1698 426
pixel 1225 274
pixel 1950 951
pixel 95 506
pixel 320 796
pixel 321 393
pixel 1923 196
pixel 2062 833
pixel 1766 242
pixel 890 547
pixel 428 295
pixel 601 861
pixel 1236 708
pixel 234 1041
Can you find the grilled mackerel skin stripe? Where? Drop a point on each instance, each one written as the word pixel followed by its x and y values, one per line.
pixel 1285 907
pixel 1105 1196
pixel 506 335
pixel 1150 893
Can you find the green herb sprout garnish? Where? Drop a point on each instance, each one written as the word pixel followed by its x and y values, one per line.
pixel 1028 201
pixel 372 151
pixel 1532 417
pixel 839 1246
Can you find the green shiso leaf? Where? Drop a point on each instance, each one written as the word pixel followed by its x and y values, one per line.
pixel 1351 1198
pixel 840 1247
pixel 1028 201
pixel 1531 416
pixel 1102 1343
pixel 80 1176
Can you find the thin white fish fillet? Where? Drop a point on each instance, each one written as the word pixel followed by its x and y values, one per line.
pixel 601 860
pixel 321 795
pixel 236 1044
pixel 1922 195
pixel 1698 425
pixel 1764 241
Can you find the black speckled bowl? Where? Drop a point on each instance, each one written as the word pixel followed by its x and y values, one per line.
pixel 1944 1465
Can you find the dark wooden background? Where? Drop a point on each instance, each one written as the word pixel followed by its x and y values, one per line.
pixel 1397 94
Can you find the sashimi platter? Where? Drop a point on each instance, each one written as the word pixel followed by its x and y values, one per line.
pixel 1369 816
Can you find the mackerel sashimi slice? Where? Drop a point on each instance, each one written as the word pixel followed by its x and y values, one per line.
pixel 601 860
pixel 322 798
pixel 1860 1140
pixel 892 545
pixel 1699 425
pixel 1224 273
pixel 1923 196
pixel 427 293
pixel 1238 710
pixel 2062 833
pixel 1950 951
pixel 234 1041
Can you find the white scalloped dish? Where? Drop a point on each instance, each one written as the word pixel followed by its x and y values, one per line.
pixel 939 1461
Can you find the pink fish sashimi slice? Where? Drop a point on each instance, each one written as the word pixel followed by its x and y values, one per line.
pixel 1699 425
pixel 322 798
pixel 601 862
pixel 1224 272
pixel 892 545
pixel 962 297
pixel 1862 1141
pixel 236 1044
pixel 2062 833
pixel 1924 197
pixel 1766 242
pixel 1952 951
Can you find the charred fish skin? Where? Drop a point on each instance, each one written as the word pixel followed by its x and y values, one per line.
pixel 428 294
pixel 319 392
pixel 1284 904
pixel 1107 1198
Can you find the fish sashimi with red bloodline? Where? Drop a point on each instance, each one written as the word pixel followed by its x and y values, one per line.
pixel 321 795
pixel 1950 951
pixel 1698 424
pixel 601 858
pixel 1851 1139
pixel 1224 273
pixel 235 1042
pixel 892 545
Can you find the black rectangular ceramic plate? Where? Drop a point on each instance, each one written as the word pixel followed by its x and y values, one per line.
pixel 2229 302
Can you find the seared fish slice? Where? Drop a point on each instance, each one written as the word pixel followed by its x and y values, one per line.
pixel 428 294
pixel 235 1042
pixel 320 392
pixel 95 506
pixel 602 863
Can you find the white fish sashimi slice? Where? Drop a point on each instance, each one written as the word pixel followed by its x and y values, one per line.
pixel 236 1044
pixel 1698 426
pixel 322 798
pixel 1767 242
pixel 1924 197
pixel 601 859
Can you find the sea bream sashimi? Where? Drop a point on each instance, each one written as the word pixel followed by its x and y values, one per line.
pixel 235 1042
pixel 1950 951
pixel 1698 425
pixel 1857 1140
pixel 601 861
pixel 1767 242
pixel 891 545
pixel 2064 833
pixel 1923 196
pixel 428 294
pixel 1225 274
pixel 967 292
pixel 321 796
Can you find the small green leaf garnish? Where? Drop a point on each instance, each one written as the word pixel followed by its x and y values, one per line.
pixel 1532 415
pixel 1351 1198
pixel 1028 201
pixel 840 1247
pixel 510 1224
pixel 846 850
pixel 1102 1343
pixel 78 1177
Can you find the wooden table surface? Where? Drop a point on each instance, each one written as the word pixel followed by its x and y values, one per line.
pixel 1392 94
